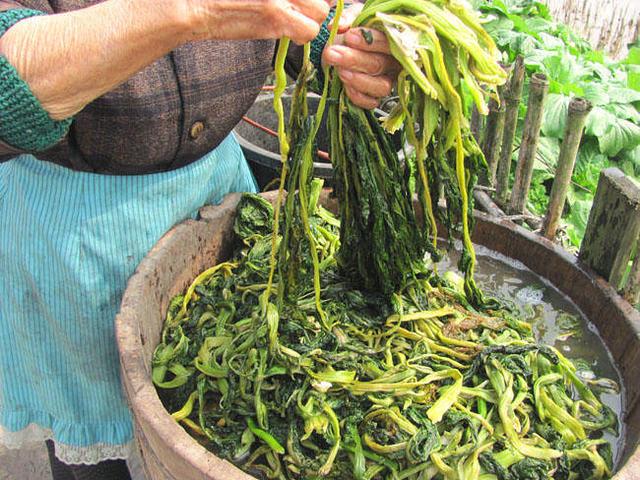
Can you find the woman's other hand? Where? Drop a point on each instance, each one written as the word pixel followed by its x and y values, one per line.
pixel 300 20
pixel 363 61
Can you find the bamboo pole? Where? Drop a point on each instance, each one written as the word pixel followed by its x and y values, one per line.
pixel 494 130
pixel 538 89
pixel 512 100
pixel 492 134
pixel 579 109
pixel 632 288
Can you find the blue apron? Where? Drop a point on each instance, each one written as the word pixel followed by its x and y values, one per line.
pixel 68 243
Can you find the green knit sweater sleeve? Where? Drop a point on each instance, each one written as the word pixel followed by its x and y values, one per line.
pixel 24 124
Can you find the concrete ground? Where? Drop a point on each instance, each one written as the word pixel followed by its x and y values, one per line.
pixel 24 464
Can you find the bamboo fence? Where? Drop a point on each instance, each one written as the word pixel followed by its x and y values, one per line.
pixel 613 230
pixel 607 24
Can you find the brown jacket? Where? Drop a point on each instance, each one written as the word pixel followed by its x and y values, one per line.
pixel 153 122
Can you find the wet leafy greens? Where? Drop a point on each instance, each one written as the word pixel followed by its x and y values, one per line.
pixel 423 386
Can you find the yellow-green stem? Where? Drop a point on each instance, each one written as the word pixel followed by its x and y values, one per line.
pixel 280 85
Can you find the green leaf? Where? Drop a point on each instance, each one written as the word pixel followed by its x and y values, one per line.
pixel 536 59
pixel 633 155
pixel 577 220
pixel 541 10
pixel 538 200
pixel 634 56
pixel 628 169
pixel 630 162
pixel 498 26
pixel 564 68
pixel 599 70
pixel 596 93
pixel 519 23
pixel 524 45
pixel 633 80
pixel 589 154
pixel 547 155
pixel 625 111
pixel 540 26
pixel 551 42
pixel 623 95
pixel 495 7
pixel 589 164
pixel 596 56
pixel 599 121
pixel 555 115
pixel 570 89
pixel 619 136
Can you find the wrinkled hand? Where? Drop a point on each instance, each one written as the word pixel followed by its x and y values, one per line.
pixel 362 59
pixel 299 20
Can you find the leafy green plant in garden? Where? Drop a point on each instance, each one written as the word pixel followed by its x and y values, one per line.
pixel 612 132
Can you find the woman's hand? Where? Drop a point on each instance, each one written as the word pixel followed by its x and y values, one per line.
pixel 362 59
pixel 300 20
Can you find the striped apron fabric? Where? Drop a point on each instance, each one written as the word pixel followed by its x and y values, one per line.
pixel 68 243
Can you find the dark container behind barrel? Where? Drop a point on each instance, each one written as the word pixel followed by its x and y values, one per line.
pixel 262 150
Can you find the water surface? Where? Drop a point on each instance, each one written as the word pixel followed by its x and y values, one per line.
pixel 548 310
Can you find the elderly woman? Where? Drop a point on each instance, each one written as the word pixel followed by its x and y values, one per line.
pixel 115 121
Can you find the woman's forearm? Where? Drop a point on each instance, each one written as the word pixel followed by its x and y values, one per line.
pixel 70 59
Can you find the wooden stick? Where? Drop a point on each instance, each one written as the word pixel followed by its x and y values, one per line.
pixel 493 131
pixel 579 109
pixel 632 288
pixel 476 123
pixel 538 89
pixel 492 208
pixel 614 226
pixel 488 205
pixel 512 99
pixel 534 221
pixel 518 218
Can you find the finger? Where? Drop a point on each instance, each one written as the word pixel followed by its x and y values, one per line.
pixel 316 10
pixel 360 99
pixel 376 87
pixel 300 28
pixel 367 39
pixel 360 61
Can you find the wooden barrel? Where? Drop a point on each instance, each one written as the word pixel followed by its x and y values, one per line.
pixel 169 453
